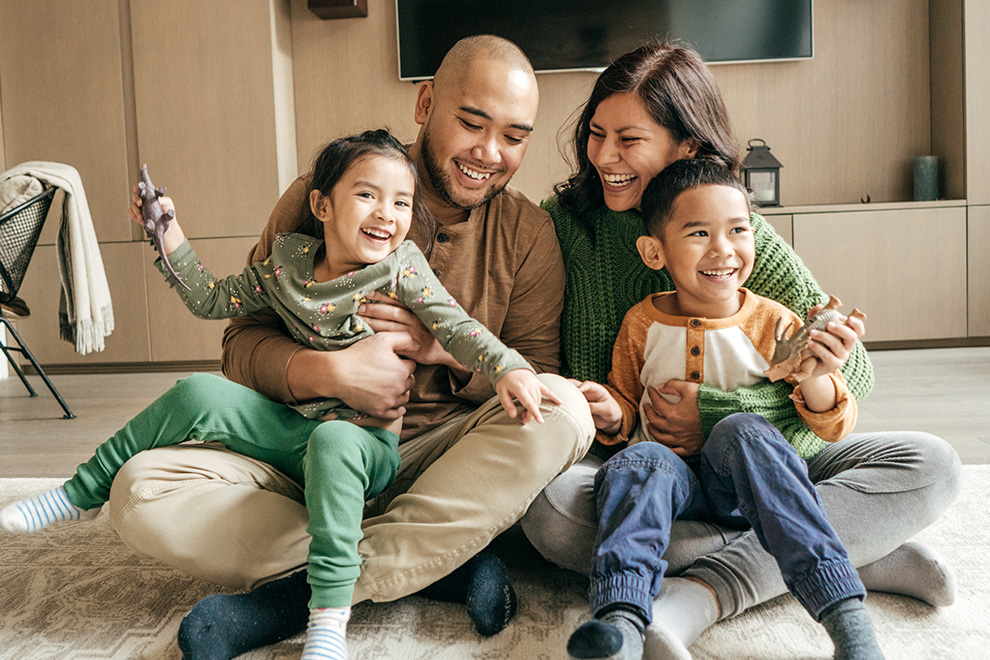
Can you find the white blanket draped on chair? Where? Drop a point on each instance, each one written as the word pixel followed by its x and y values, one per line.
pixel 85 309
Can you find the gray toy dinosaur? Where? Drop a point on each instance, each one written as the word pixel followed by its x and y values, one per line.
pixel 156 221
pixel 792 360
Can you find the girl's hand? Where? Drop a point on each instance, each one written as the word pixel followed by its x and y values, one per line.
pixel 833 345
pixel 174 236
pixel 605 410
pixel 675 425
pixel 523 385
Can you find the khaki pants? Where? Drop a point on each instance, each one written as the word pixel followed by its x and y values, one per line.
pixel 236 521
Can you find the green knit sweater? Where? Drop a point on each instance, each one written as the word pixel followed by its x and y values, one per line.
pixel 606 277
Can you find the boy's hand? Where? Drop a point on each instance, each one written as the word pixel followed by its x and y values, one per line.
pixel 833 345
pixel 605 410
pixel 522 384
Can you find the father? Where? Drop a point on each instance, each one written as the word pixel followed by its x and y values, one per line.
pixel 468 471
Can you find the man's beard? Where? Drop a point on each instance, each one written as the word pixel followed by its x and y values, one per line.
pixel 440 180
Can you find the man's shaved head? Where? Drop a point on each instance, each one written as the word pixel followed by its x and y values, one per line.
pixel 468 51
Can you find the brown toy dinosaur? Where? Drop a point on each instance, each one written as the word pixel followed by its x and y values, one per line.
pixel 156 221
pixel 792 360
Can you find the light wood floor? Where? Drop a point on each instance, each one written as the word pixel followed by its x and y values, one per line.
pixel 942 391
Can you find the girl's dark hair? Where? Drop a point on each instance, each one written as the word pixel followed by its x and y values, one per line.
pixel 661 193
pixel 340 155
pixel 680 94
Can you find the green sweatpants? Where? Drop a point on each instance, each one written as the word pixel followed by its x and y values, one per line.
pixel 339 463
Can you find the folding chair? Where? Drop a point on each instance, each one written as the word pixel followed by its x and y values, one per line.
pixel 19 231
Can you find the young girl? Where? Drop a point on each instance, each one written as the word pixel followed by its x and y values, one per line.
pixel 362 199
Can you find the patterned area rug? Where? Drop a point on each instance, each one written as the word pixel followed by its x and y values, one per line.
pixel 76 592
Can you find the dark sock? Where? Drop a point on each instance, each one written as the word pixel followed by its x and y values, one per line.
pixel 224 626
pixel 848 624
pixel 616 634
pixel 483 585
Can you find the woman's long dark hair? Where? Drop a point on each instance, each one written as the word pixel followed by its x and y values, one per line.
pixel 341 154
pixel 680 94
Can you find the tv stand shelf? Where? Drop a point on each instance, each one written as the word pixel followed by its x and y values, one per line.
pixel 907 265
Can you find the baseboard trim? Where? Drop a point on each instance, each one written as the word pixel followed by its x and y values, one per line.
pixel 960 342
pixel 126 367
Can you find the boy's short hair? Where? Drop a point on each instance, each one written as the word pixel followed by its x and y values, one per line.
pixel 661 193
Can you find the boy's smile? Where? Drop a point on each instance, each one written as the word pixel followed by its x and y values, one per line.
pixel 707 247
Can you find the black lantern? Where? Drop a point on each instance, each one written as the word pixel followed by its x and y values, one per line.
pixel 761 173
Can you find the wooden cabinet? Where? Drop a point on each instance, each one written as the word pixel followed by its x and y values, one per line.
pixel 783 225
pixel 905 265
pixel 979 271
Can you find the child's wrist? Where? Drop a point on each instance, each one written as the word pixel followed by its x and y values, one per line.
pixel 173 239
pixel 818 393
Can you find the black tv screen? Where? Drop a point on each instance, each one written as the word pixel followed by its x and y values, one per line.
pixel 564 35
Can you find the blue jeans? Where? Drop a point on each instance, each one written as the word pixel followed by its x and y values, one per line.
pixel 747 476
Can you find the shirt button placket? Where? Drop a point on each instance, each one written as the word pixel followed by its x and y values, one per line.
pixel 695 338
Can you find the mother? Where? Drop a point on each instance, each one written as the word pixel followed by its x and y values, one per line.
pixel 651 107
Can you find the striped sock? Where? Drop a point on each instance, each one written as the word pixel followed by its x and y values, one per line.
pixel 42 510
pixel 325 639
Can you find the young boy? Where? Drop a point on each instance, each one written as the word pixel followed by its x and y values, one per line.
pixel 747 475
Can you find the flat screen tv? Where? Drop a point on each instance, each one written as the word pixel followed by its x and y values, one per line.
pixel 567 35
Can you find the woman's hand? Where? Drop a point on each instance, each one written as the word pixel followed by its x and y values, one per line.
pixel 675 425
pixel 386 314
pixel 833 345
pixel 523 385
pixel 605 410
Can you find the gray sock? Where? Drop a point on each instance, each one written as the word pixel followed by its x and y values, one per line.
pixel 682 611
pixel 616 635
pixel 849 626
pixel 913 569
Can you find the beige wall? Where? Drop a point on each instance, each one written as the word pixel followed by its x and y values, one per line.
pixel 228 100
pixel 845 124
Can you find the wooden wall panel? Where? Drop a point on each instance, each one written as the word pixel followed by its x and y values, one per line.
pixel 204 85
pixel 906 269
pixel 948 93
pixel 62 94
pixel 979 271
pixel 977 24
pixel 177 335
pixel 846 124
pixel 124 266
pixel 347 78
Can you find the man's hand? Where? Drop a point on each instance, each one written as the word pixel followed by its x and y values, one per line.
pixel 676 425
pixel 369 375
pixel 386 315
